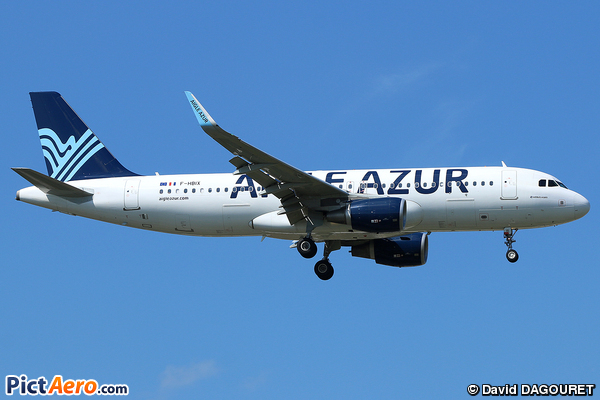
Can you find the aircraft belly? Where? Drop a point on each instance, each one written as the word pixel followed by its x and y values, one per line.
pixel 500 218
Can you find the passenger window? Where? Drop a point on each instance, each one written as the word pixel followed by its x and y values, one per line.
pixel 218 190
pixel 209 190
pixel 491 183
pixel 482 183
pixel 194 190
pixel 226 190
pixel 474 183
pixel 466 183
pixel 161 191
pixel 552 183
pixel 169 191
pixel 542 183
pixel 184 190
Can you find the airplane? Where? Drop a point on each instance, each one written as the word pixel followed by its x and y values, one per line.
pixel 381 214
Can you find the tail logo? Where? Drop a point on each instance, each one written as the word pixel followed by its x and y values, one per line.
pixel 66 158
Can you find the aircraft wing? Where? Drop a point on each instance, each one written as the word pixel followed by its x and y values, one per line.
pixel 297 190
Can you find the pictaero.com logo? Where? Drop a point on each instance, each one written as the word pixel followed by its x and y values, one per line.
pixel 19 384
pixel 563 389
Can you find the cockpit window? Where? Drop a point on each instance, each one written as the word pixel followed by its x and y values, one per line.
pixel 551 183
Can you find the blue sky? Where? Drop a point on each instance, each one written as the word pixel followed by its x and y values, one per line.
pixel 321 85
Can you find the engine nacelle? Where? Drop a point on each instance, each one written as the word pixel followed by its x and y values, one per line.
pixel 386 214
pixel 400 251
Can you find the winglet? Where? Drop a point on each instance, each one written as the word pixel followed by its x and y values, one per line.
pixel 203 117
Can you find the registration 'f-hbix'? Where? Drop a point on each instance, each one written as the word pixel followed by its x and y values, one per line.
pixel 381 214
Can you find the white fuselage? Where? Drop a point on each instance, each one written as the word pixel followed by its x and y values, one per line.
pixel 438 199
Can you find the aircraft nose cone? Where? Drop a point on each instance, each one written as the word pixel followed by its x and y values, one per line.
pixel 581 206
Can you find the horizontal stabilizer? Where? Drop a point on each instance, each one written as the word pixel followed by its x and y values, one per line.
pixel 50 185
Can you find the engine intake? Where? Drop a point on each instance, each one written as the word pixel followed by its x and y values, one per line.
pixel 400 251
pixel 386 214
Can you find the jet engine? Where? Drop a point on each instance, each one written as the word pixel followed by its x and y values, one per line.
pixel 386 214
pixel 408 250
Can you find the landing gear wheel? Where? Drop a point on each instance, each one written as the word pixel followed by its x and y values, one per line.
pixel 306 247
pixel 512 255
pixel 324 270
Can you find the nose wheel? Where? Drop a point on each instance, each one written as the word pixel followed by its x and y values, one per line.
pixel 511 255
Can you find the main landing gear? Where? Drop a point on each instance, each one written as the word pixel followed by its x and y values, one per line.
pixel 511 254
pixel 308 249
pixel 323 269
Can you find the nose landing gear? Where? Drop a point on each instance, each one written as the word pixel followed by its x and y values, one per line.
pixel 511 255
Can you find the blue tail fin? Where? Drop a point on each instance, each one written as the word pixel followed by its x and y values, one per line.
pixel 71 149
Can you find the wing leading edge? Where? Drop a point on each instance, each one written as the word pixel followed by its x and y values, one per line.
pixel 298 191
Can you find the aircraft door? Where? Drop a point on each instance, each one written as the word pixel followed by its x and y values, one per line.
pixel 132 195
pixel 509 185
pixel 182 223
